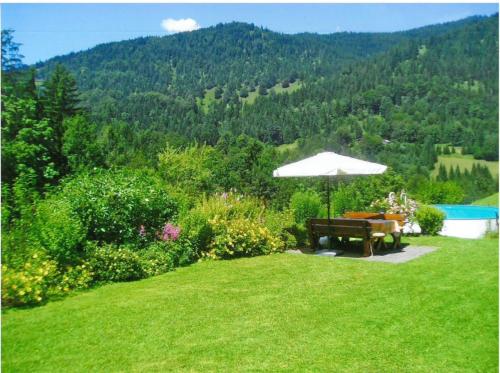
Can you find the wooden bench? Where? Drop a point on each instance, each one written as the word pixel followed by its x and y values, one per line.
pixel 340 227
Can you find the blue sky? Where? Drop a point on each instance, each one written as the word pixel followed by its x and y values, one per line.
pixel 47 30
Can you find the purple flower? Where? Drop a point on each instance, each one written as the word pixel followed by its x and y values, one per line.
pixel 170 232
pixel 224 195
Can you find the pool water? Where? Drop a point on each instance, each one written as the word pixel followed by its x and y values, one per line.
pixel 468 212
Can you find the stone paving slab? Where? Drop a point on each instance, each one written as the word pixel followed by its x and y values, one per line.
pixel 404 255
pixel 400 256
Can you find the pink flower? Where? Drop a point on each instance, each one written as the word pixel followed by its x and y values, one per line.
pixel 142 231
pixel 170 232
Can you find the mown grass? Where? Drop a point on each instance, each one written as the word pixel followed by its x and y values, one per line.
pixel 487 201
pixel 285 312
pixel 464 162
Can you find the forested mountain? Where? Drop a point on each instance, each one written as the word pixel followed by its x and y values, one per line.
pixel 232 55
pixel 235 57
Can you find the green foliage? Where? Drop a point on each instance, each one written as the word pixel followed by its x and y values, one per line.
pixel 305 205
pixel 182 251
pixel 29 284
pixel 430 220
pixel 11 58
pixel 75 278
pixel 359 192
pixel 432 192
pixel 59 230
pixel 80 145
pixel 240 237
pixel 190 169
pixel 113 205
pixel 112 263
pixel 156 259
pixel 279 224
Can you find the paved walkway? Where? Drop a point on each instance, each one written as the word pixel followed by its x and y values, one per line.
pixel 406 254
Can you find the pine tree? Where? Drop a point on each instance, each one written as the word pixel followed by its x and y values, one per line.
pixel 443 174
pixel 60 101
pixel 11 58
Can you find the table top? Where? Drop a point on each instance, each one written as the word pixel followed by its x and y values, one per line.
pixel 384 226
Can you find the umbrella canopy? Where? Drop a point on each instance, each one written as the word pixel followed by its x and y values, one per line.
pixel 329 164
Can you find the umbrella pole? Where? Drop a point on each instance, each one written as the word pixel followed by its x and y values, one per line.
pixel 328 197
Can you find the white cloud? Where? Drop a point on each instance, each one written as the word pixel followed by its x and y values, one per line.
pixel 179 25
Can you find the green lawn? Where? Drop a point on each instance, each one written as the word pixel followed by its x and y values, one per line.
pixel 487 201
pixel 438 313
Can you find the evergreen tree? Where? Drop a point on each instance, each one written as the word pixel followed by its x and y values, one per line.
pixel 11 58
pixel 60 101
pixel 443 174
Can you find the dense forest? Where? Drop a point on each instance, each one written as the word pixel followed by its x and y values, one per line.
pixel 108 155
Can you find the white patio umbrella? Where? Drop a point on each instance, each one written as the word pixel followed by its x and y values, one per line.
pixel 329 164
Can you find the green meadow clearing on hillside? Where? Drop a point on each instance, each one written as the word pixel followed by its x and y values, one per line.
pixel 438 313
pixel 252 96
pixel 464 162
pixel 209 97
pixel 488 201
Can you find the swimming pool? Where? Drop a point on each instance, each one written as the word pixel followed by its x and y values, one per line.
pixel 468 212
pixel 467 221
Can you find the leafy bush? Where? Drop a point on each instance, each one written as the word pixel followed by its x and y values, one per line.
pixel 155 259
pixel 29 284
pixel 196 227
pixel 75 277
pixel 113 205
pixel 182 252
pixel 358 193
pixel 241 237
pixel 190 168
pixel 279 224
pixel 112 263
pixel 433 192
pixel 305 205
pixel 226 206
pixel 58 230
pixel 299 233
pixel 430 219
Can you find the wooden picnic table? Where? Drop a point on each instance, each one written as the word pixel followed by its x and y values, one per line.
pixel 387 227
pixel 354 228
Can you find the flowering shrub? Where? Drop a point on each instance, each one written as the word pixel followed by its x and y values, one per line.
pixel 29 284
pixel 111 263
pixel 112 205
pixel 225 206
pixel 155 259
pixel 395 204
pixel 75 277
pixel 240 237
pixel 170 232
